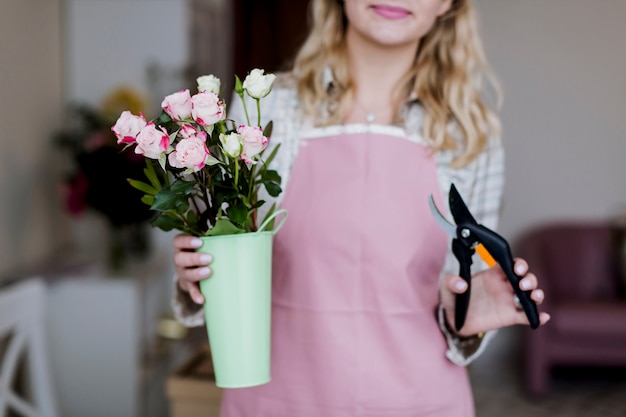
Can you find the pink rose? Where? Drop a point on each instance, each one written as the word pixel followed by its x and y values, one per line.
pixel 127 127
pixel 152 141
pixel 253 142
pixel 187 130
pixel 207 109
pixel 178 105
pixel 190 153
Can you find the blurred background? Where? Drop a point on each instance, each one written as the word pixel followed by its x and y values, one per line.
pixel 67 65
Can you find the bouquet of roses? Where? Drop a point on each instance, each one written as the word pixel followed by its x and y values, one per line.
pixel 204 170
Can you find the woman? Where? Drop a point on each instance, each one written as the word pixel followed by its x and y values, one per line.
pixel 382 108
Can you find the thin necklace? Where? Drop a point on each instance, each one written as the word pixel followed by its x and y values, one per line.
pixel 370 115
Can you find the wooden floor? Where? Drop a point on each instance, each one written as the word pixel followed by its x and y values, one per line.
pixel 583 392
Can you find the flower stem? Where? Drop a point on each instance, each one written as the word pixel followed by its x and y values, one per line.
pixel 245 110
pixel 258 112
pixel 207 191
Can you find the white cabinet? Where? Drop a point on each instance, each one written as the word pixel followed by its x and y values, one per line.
pixel 95 346
pixel 106 357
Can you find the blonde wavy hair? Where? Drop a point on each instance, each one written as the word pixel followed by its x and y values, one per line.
pixel 447 78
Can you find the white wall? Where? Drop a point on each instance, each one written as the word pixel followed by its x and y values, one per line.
pixel 563 67
pixel 30 109
pixel 110 43
pixel 113 43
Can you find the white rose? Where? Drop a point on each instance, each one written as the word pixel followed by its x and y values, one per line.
pixel 258 85
pixel 232 144
pixel 209 83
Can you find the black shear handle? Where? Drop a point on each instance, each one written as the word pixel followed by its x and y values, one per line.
pixel 499 249
pixel 463 254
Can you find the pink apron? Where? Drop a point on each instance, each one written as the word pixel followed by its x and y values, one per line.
pixel 355 288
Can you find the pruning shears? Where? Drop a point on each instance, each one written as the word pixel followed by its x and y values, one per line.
pixel 469 237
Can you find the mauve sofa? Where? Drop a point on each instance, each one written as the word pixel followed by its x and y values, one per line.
pixel 581 268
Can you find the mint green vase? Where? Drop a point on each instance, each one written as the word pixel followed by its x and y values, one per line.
pixel 237 305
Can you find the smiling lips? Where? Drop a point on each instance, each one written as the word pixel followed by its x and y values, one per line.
pixel 391 12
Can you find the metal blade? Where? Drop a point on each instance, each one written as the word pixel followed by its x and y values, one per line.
pixel 448 227
pixel 459 210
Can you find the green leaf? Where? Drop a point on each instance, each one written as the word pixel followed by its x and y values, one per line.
pixel 237 213
pixel 148 199
pixel 270 158
pixel 182 207
pixel 163 118
pixel 142 186
pixel 162 159
pixel 212 161
pixel 257 205
pixel 166 200
pixel 238 86
pixel 192 217
pixel 151 174
pixel 271 175
pixel 272 188
pixel 267 131
pixel 167 223
pixel 182 187
pixel 224 227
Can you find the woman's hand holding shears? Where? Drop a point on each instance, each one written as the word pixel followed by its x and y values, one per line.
pixel 492 303
pixel 503 295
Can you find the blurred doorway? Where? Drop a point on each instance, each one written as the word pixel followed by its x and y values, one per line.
pixel 267 33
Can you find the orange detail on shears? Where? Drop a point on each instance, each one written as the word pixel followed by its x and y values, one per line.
pixel 485 255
